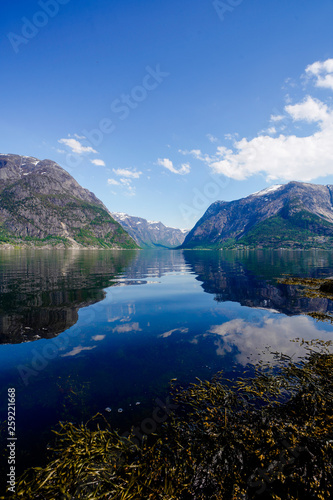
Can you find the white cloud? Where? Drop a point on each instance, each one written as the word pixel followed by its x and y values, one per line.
pixel 287 156
pixel 322 71
pixel 310 110
pixel 211 138
pixel 166 163
pixel 126 172
pixel 289 82
pixel 231 137
pixel 283 157
pixel 276 118
pixel 113 182
pixel 99 163
pixel 79 136
pixel 269 130
pixel 76 146
pixel 197 154
pixel 125 183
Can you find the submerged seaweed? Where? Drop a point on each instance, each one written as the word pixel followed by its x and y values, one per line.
pixel 267 437
pixel 313 288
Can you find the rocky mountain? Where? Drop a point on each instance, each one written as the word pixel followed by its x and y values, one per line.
pixel 293 215
pixel 42 205
pixel 150 234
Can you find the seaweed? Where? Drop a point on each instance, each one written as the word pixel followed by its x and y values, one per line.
pixel 312 287
pixel 267 436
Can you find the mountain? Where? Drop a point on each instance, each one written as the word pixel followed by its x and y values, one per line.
pixel 42 205
pixel 293 215
pixel 150 234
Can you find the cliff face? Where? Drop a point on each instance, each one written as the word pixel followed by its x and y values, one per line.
pixel 296 215
pixel 42 204
pixel 151 234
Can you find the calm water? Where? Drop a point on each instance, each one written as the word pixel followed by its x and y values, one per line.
pixel 83 331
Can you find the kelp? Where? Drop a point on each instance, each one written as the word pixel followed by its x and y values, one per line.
pixel 268 436
pixel 319 316
pixel 311 287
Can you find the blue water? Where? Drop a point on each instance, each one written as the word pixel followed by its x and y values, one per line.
pixel 85 331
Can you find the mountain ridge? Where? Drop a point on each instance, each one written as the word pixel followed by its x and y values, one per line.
pixel 150 234
pixel 293 215
pixel 43 205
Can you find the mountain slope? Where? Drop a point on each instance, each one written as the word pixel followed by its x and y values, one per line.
pixel 41 204
pixel 294 215
pixel 150 234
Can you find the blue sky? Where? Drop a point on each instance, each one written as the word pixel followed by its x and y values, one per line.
pixel 161 108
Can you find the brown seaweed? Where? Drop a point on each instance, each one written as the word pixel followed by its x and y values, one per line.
pixel 267 436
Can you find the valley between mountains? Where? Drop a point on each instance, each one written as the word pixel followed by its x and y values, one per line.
pixel 42 205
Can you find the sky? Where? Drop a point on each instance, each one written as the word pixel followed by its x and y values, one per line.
pixel 162 108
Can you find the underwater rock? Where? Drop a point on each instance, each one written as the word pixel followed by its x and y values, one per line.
pixel 327 286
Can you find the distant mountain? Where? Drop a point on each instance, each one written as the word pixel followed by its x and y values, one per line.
pixel 42 205
pixel 293 215
pixel 150 234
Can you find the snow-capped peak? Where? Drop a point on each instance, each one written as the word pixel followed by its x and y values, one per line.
pixel 120 215
pixel 268 190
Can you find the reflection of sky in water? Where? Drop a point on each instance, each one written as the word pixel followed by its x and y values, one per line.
pixel 273 332
pixel 174 312
pixel 160 321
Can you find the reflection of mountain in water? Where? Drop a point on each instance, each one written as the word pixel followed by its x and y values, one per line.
pixel 155 264
pixel 42 292
pixel 249 278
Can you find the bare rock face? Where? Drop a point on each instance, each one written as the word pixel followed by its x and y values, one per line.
pixel 294 215
pixel 151 234
pixel 41 205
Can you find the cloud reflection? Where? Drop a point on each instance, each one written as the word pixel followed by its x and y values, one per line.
pixel 255 341
pixel 97 338
pixel 170 332
pixel 77 350
pixel 130 327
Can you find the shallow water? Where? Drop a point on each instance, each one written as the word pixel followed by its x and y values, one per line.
pixel 82 331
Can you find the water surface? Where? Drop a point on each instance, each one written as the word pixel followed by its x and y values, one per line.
pixel 82 331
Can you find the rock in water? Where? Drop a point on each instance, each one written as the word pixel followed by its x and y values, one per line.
pixel 327 286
